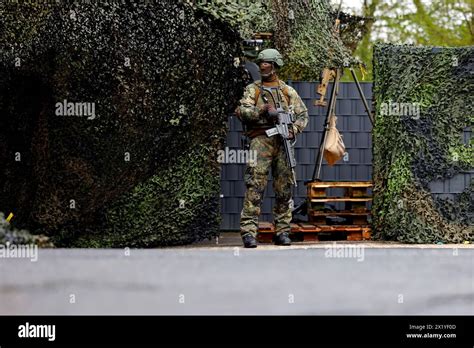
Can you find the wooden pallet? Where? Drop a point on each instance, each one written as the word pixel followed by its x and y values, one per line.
pixel 266 231
pixel 350 232
pixel 353 217
pixel 356 200
pixel 310 232
pixel 353 189
pixel 305 232
pixel 320 225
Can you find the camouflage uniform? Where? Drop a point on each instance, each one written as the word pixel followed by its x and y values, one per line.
pixel 270 153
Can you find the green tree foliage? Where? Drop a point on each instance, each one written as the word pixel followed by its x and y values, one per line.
pixel 435 23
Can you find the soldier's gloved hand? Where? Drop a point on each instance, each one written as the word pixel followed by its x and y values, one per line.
pixel 266 109
pixel 270 113
pixel 292 132
pixel 291 135
pixel 270 108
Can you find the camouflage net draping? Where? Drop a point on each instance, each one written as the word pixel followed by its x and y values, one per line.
pixel 143 170
pixel 412 149
pixel 302 31
pixel 11 235
pixel 161 76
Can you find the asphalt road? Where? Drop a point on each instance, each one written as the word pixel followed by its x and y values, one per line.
pixel 232 280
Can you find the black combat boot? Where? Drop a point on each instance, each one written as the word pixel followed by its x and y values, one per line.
pixel 249 241
pixel 282 239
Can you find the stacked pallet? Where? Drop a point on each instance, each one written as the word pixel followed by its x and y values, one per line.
pixel 352 222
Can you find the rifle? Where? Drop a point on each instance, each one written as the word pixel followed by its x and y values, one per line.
pixel 284 122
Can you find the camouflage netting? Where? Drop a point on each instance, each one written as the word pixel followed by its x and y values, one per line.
pixel 413 149
pixel 143 172
pixel 11 235
pixel 161 76
pixel 302 31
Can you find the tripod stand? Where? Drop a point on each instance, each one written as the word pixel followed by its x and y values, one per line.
pixel 336 74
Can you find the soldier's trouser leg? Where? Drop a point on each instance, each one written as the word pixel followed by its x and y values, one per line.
pixel 255 182
pixel 282 185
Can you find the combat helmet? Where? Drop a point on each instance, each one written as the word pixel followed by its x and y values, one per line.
pixel 270 55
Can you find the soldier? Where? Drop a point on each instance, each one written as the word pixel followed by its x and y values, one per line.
pixel 255 114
